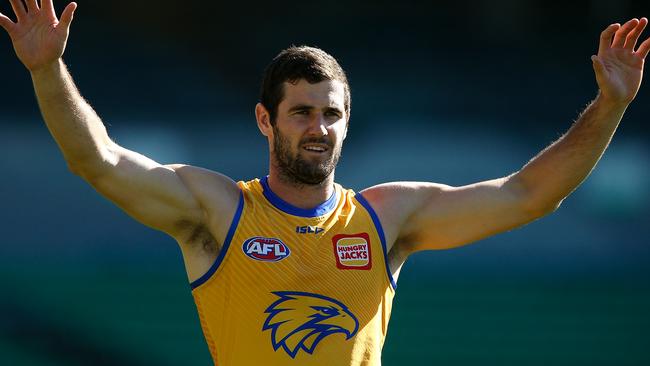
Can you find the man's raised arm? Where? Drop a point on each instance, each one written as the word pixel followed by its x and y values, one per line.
pixel 434 216
pixel 560 168
pixel 155 195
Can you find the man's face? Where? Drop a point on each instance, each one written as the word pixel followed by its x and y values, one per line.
pixel 309 130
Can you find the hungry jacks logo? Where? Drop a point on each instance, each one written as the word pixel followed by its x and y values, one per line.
pixel 352 251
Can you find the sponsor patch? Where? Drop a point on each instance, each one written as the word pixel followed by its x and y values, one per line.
pixel 265 249
pixel 352 251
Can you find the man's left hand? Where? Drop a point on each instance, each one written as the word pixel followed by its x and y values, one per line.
pixel 618 67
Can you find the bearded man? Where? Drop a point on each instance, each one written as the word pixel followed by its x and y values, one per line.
pixel 292 268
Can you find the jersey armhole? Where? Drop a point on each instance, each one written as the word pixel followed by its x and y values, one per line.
pixel 380 231
pixel 226 244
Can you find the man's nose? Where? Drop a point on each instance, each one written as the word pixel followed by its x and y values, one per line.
pixel 318 125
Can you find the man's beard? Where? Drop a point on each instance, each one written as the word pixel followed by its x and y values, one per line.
pixel 298 170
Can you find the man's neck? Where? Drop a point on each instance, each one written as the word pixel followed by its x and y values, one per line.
pixel 300 195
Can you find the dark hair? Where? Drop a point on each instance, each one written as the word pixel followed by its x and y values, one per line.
pixel 293 64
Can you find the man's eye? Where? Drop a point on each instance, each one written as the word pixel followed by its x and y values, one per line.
pixel 303 112
pixel 332 114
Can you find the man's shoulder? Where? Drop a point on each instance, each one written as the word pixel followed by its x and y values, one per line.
pixel 401 192
pixel 197 176
pixel 216 192
pixel 396 202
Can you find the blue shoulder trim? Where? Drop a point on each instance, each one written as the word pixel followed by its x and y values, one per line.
pixel 226 243
pixel 380 231
pixel 285 206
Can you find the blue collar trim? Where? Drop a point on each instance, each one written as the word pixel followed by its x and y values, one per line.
pixel 320 210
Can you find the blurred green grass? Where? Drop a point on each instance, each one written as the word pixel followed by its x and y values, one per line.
pixel 148 317
pixel 520 322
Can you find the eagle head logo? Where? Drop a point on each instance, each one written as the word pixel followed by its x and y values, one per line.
pixel 300 320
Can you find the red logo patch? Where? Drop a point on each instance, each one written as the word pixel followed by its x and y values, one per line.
pixel 352 251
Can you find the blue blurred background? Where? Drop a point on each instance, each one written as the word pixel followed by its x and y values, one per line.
pixel 450 92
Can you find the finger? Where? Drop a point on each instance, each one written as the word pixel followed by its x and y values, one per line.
pixel 631 39
pixel 6 23
pixel 66 16
pixel 47 6
pixel 643 49
pixel 19 9
pixel 606 37
pixel 621 34
pixel 32 7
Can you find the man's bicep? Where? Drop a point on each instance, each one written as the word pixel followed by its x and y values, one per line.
pixel 447 217
pixel 150 192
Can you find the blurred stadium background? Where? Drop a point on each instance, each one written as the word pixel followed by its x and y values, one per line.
pixel 452 92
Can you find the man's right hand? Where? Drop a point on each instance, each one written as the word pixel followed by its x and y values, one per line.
pixel 39 38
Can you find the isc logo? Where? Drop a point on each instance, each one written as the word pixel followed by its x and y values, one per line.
pixel 309 229
pixel 265 249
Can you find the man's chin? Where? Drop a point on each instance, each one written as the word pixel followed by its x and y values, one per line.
pixel 311 169
pixel 314 178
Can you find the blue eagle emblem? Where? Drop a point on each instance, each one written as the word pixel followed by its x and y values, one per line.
pixel 300 320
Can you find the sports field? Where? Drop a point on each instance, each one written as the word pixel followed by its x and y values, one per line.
pixel 78 316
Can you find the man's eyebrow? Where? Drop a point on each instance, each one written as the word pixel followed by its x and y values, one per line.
pixel 333 109
pixel 304 107
pixel 300 107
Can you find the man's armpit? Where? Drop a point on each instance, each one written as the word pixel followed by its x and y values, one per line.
pixel 197 236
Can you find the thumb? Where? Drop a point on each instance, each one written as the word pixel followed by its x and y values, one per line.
pixel 599 69
pixel 6 23
pixel 66 16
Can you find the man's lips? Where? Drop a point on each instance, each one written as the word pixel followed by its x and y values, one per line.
pixel 315 148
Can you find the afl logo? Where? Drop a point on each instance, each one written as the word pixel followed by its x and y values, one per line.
pixel 265 249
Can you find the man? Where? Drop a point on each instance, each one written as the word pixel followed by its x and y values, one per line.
pixel 292 268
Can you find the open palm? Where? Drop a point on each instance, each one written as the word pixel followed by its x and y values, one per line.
pixel 618 66
pixel 39 38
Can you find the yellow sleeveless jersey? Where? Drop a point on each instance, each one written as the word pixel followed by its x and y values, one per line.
pixel 297 287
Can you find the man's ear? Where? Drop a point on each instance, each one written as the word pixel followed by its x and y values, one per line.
pixel 263 119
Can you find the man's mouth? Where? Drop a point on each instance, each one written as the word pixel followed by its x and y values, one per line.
pixel 315 148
